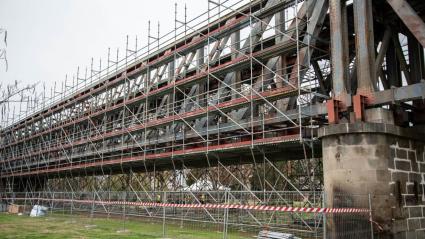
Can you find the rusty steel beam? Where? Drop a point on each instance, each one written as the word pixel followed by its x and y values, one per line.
pixel 410 18
pixel 400 94
pixel 339 47
pixel 383 50
pixel 416 59
pixel 365 48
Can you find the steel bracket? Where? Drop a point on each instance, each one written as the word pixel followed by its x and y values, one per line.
pixel 359 105
pixel 334 107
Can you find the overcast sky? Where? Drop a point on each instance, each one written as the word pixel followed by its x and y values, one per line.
pixel 49 38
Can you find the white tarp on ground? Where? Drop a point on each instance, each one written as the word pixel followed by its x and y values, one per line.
pixel 205 185
pixel 38 211
pixel 275 235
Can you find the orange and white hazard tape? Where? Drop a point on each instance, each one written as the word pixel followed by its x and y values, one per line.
pixel 208 206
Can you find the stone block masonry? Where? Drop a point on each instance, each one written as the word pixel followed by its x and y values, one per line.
pixel 407 169
pixel 385 161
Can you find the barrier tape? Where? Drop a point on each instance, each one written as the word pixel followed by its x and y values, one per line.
pixel 208 206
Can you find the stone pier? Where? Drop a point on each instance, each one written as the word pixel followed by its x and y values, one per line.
pixel 383 160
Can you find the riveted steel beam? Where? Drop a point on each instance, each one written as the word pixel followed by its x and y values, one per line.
pixel 365 48
pixel 410 18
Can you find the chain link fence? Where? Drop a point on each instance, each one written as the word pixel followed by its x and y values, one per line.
pixel 217 214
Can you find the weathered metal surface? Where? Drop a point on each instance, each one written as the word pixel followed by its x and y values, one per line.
pixel 400 94
pixel 359 105
pixel 339 46
pixel 365 48
pixel 383 50
pixel 410 18
pixel 333 108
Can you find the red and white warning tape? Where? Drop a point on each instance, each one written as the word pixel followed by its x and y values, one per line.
pixel 210 206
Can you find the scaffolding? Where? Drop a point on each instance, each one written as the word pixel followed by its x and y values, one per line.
pixel 225 106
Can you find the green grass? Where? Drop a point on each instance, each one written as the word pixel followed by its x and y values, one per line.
pixel 67 226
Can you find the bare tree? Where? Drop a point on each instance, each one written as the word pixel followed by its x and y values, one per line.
pixel 13 95
pixel 13 90
pixel 3 32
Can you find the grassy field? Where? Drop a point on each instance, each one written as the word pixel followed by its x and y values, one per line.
pixel 66 226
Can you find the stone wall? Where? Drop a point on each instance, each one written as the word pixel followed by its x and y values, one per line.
pixel 407 169
pixel 385 161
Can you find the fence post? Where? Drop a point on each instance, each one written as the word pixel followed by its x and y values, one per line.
pixel 324 214
pixel 92 205
pixel 164 200
pixel 370 216
pixel 25 201
pixel 72 201
pixel 52 203
pixel 226 215
pixel 124 210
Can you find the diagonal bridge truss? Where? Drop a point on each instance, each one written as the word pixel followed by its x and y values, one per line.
pixel 216 113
